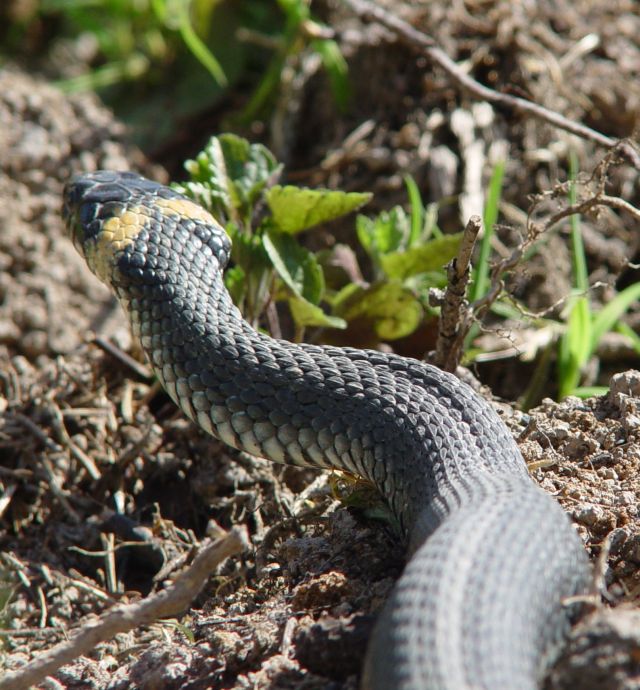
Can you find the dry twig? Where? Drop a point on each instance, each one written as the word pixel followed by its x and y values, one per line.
pixel 425 44
pixel 454 317
pixel 534 231
pixel 169 602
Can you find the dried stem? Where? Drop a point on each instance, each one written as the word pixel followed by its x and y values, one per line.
pixel 426 45
pixel 169 602
pixel 454 313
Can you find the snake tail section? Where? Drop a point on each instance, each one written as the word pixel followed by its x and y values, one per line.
pixel 480 605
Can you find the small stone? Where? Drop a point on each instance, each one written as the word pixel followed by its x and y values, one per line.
pixel 588 515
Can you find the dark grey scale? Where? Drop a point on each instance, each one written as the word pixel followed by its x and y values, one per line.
pixel 214 396
pixel 256 412
pixel 229 351
pixel 110 209
pixel 174 337
pixel 246 352
pixel 195 272
pixel 209 379
pixel 163 250
pixel 156 330
pixel 177 359
pixel 286 401
pixel 188 224
pixel 138 253
pixel 228 388
pixel 224 372
pixel 211 341
pixel 251 396
pixel 162 192
pixel 188 250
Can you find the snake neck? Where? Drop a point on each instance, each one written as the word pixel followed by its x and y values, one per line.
pixel 421 436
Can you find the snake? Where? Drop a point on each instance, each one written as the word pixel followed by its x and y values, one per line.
pixel 493 560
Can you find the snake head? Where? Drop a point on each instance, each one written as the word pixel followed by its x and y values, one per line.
pixel 132 231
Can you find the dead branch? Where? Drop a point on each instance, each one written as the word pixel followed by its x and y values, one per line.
pixel 425 44
pixel 535 230
pixel 454 320
pixel 169 602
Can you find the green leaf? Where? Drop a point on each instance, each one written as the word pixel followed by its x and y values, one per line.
pixel 580 271
pixel 417 210
pixel 480 283
pixel 627 331
pixel 606 318
pixel 296 266
pixel 385 233
pixel 199 48
pixel 430 225
pixel 392 309
pixel 590 391
pixel 429 257
pixel 251 276
pixel 336 66
pixel 575 347
pixel 296 208
pixel 580 331
pixel 296 10
pixel 306 314
pixel 247 251
pixel 421 284
pixel 229 175
pixel 236 283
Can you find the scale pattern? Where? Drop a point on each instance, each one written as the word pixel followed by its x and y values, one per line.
pixel 480 603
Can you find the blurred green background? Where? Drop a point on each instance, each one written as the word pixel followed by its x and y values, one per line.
pixel 170 68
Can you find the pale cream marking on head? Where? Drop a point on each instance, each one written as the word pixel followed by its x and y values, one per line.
pixel 186 208
pixel 117 233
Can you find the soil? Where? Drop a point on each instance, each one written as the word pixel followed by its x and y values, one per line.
pixel 94 454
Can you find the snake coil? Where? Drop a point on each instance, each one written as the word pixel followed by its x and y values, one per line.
pixel 480 604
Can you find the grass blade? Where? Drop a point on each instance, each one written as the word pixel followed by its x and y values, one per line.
pixel 575 347
pixel 580 273
pixel 606 318
pixel 626 330
pixel 417 211
pixel 481 279
pixel 199 49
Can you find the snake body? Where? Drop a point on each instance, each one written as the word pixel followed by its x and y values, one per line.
pixel 480 604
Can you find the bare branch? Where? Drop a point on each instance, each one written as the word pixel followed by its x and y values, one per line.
pixel 425 44
pixel 169 602
pixel 535 230
pixel 454 317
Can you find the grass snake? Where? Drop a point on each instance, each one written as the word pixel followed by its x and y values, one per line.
pixel 480 604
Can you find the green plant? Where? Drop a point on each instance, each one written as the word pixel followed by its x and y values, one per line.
pixel 408 254
pixel 133 36
pixel 238 182
pixel 585 328
pixel 183 54
pixel 480 282
pixel 301 33
pixel 8 586
pixel 482 267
